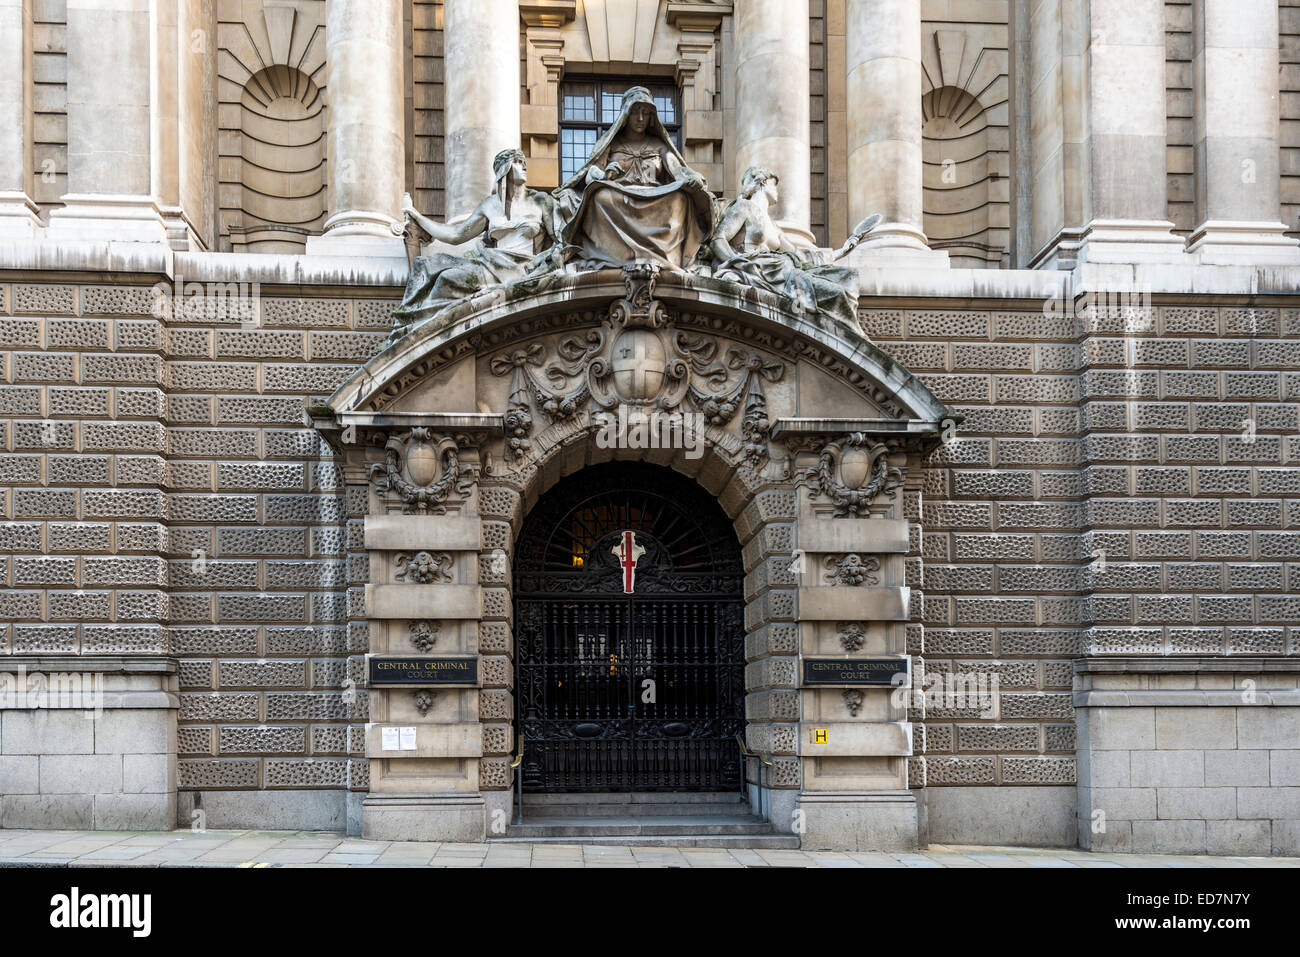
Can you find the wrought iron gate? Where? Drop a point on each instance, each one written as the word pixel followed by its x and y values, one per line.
pixel 619 689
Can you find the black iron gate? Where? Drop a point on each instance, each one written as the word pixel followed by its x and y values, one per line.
pixel 629 688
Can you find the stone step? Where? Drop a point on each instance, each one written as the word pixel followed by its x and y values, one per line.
pixel 757 842
pixel 623 804
pixel 631 797
pixel 654 826
pixel 596 811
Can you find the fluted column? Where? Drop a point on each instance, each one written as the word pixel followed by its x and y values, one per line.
pixel 367 164
pixel 883 63
pixel 1235 75
pixel 17 210
pixel 772 111
pixel 111 53
pixel 1125 146
pixel 481 111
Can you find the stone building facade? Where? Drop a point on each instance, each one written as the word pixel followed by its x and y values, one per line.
pixel 1073 381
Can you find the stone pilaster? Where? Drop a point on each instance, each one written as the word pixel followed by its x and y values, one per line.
pixel 883 65
pixel 481 53
pixel 17 210
pixel 111 55
pixel 367 159
pixel 772 108
pixel 1125 142
pixel 1235 78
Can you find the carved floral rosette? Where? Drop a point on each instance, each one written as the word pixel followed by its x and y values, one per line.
pixel 424 470
pixel 852 472
pixel 637 358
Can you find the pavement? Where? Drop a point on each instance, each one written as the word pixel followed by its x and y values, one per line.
pixel 25 848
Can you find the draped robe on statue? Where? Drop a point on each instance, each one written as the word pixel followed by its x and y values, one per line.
pixel 656 209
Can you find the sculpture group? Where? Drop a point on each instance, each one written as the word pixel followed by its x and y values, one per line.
pixel 634 200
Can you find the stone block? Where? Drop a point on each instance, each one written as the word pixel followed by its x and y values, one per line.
pixel 1267 727
pixel 420 532
pixel 1169 837
pixel 134 731
pixel 148 773
pixel 1195 728
pixel 1236 768
pixel 1127 729
pixel 1256 803
pixel 435 817
pixel 81 773
pixel 1125 804
pixel 56 812
pixel 1204 804
pixel 135 812
pixel 858 821
pixel 1237 838
pixel 1167 768
pixel 19 774
pixel 1015 816
pixel 46 733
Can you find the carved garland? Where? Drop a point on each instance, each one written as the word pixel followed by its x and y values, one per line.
pixel 637 358
pixel 852 472
pixel 424 469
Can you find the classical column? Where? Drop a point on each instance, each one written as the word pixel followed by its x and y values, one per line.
pixel 1125 146
pixel 367 162
pixel 883 63
pixel 481 111
pixel 17 210
pixel 1235 75
pixel 110 58
pixel 771 43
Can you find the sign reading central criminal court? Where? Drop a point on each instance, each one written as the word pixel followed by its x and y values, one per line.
pixel 423 671
pixel 859 671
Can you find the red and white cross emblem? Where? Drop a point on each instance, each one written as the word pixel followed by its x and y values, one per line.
pixel 628 551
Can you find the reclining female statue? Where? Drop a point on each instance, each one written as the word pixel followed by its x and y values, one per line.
pixel 749 248
pixel 514 225
pixel 635 197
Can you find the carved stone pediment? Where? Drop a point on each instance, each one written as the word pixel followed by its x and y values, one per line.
pixel 641 359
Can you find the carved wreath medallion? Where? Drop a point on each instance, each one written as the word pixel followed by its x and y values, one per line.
pixel 851 473
pixel 424 470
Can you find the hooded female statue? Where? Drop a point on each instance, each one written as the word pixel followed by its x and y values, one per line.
pixel 635 197
pixel 747 247
pixel 514 224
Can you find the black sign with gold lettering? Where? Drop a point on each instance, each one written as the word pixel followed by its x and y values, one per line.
pixel 855 671
pixel 423 671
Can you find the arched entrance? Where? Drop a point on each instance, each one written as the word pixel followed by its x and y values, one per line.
pixel 629 628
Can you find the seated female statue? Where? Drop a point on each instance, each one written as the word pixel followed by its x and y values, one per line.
pixel 635 197
pixel 514 225
pixel 747 247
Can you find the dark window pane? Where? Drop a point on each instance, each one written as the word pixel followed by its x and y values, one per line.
pixel 580 103
pixel 575 147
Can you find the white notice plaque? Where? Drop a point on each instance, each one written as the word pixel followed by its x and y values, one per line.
pixel 390 742
pixel 407 739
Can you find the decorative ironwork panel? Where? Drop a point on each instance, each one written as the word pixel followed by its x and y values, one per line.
pixel 629 627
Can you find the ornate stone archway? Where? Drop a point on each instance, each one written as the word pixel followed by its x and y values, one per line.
pixel 808 436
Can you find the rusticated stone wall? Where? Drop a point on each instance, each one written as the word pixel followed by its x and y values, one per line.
pixel 1122 484
pixel 1106 494
pixel 165 495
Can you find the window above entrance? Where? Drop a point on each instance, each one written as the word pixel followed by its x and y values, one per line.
pixel 589 105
